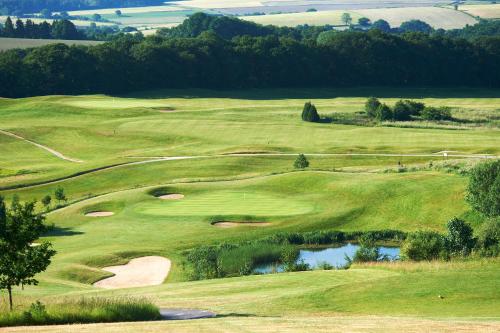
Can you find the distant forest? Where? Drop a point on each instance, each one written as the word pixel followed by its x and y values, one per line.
pixel 20 7
pixel 194 56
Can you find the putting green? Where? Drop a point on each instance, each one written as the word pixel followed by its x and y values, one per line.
pixel 226 203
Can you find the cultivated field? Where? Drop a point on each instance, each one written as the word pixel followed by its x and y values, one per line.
pixel 24 43
pixel 485 11
pixel 435 16
pixel 228 156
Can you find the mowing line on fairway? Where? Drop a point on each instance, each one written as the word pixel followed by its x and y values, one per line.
pixel 50 150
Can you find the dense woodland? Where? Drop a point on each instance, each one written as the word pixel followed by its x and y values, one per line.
pixel 58 29
pixel 333 58
pixel 20 7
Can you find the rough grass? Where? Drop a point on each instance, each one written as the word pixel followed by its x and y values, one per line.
pixel 288 324
pixel 79 310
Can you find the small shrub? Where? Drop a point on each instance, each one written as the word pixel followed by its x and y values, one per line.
pixel 459 239
pixel 415 108
pixel 488 239
pixel 383 112
pixel 483 190
pixel 301 162
pixel 325 266
pixel 367 250
pixel 401 111
pixel 424 245
pixel 432 113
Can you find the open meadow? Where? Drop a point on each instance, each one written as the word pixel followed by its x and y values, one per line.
pixel 153 173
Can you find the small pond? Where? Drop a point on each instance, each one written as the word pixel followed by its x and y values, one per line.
pixel 334 256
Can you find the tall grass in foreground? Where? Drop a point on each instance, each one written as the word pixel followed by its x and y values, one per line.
pixel 83 310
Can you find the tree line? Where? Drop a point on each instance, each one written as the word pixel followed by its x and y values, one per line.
pixel 59 29
pixel 131 63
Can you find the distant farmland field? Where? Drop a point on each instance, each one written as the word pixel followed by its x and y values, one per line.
pixel 437 17
pixel 24 43
pixel 489 11
pixel 332 17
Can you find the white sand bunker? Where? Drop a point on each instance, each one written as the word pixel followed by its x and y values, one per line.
pixel 233 224
pixel 173 196
pixel 139 272
pixel 99 214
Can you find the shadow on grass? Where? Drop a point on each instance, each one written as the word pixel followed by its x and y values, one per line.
pixel 240 315
pixel 61 231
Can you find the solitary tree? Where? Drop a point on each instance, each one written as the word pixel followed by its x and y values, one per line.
pixel 60 195
pixel 301 162
pixel 483 191
pixel 46 201
pixel 309 113
pixel 8 29
pixel 20 260
pixel 346 18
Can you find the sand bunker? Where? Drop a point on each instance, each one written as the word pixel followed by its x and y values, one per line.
pixel 175 196
pixel 233 224
pixel 139 272
pixel 99 214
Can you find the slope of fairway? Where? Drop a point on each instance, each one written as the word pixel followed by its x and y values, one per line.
pixel 104 130
pixel 145 225
pixel 437 17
